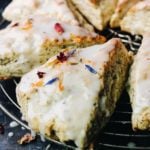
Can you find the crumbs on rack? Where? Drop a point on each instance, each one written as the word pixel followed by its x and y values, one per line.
pixel 27 138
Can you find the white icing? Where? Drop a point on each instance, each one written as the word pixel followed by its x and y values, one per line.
pixel 10 134
pixel 140 78
pixel 19 9
pixel 13 124
pixel 68 111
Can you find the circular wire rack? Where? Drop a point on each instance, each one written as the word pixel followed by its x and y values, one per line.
pixel 117 134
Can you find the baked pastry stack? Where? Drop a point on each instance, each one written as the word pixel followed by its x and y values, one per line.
pixel 139 87
pixel 29 43
pixel 81 82
pixel 137 20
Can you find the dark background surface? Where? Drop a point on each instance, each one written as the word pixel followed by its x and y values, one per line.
pixel 117 134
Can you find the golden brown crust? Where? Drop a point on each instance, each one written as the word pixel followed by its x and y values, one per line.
pixel 5 78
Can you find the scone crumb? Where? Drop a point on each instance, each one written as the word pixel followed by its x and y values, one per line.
pixel 27 138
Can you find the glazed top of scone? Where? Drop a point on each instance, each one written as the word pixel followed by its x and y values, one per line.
pixel 141 5
pixel 33 32
pixel 68 83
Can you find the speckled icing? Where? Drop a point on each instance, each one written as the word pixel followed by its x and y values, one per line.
pixel 66 92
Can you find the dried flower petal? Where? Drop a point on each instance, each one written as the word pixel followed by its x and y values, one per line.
pixel 71 53
pixel 27 138
pixel 52 81
pixel 2 129
pixel 62 57
pixel 92 70
pixel 59 28
pixel 40 74
pixel 38 84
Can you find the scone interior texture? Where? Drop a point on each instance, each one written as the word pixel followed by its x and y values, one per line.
pixel 71 97
pixel 32 42
pixel 137 20
pixel 139 87
pixel 120 11
pixel 98 13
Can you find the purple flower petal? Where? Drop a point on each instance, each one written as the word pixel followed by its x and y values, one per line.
pixel 92 70
pixel 52 81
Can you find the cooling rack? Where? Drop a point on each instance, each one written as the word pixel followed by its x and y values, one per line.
pixel 118 133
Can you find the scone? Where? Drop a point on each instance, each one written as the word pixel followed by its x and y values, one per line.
pixel 120 11
pixel 137 20
pixel 97 12
pixel 139 87
pixel 19 10
pixel 72 96
pixel 27 44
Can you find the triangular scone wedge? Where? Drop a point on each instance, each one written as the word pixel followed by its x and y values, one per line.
pixel 121 9
pixel 98 13
pixel 28 44
pixel 137 20
pixel 139 87
pixel 72 96
pixel 19 10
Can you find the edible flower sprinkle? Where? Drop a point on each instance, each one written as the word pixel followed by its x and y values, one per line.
pixel 62 57
pixel 15 25
pixel 40 74
pixel 59 28
pixel 52 81
pixel 92 70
